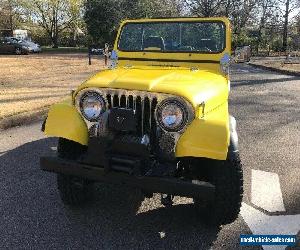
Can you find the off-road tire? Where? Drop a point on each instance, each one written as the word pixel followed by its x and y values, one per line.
pixel 74 191
pixel 227 176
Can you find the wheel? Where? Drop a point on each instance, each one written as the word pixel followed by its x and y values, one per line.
pixel 74 191
pixel 18 51
pixel 227 176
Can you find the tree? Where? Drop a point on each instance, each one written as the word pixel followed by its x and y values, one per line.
pixel 159 8
pixel 50 15
pixel 285 26
pixel 76 23
pixel 102 17
pixel 54 16
pixel 241 14
pixel 208 8
pixel 266 10
pixel 289 7
pixel 238 11
pixel 9 16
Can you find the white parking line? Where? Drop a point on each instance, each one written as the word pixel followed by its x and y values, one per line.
pixel 266 192
pixel 259 223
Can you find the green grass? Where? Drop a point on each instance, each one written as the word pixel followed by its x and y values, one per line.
pixel 65 50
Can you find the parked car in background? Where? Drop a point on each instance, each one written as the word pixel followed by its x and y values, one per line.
pixel 96 51
pixel 34 47
pixel 11 45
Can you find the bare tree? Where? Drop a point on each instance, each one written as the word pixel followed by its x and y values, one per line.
pixel 266 11
pixel 54 16
pixel 75 14
pixel 290 6
pixel 8 16
pixel 239 11
pixel 285 26
pixel 241 14
pixel 207 8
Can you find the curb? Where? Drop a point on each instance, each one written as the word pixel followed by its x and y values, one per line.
pixel 23 118
pixel 282 71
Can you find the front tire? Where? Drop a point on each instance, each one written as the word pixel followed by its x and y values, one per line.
pixel 227 176
pixel 74 191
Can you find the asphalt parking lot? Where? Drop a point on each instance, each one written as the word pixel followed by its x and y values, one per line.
pixel 267 110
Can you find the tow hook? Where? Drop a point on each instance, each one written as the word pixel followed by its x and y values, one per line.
pixel 166 200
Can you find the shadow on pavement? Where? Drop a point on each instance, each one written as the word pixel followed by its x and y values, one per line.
pixel 247 82
pixel 32 215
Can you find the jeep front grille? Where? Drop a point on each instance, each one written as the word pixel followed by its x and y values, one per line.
pixel 143 105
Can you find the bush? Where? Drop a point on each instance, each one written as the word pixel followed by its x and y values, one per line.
pixel 277 45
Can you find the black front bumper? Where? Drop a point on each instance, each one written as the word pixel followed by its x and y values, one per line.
pixel 166 185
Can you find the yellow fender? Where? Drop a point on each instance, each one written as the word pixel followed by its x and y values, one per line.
pixel 207 137
pixel 64 121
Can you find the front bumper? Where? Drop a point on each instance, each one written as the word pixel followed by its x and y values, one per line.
pixel 166 185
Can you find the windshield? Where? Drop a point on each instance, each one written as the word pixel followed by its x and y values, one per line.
pixel 191 37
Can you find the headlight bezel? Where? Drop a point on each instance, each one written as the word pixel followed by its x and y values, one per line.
pixel 79 99
pixel 187 114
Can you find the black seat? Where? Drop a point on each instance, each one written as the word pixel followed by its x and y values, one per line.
pixel 154 41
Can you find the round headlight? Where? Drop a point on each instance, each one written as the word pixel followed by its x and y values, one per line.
pixel 92 105
pixel 172 115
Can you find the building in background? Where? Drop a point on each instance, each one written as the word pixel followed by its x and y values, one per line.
pixel 21 34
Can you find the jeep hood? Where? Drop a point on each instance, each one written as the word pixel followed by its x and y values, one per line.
pixel 196 86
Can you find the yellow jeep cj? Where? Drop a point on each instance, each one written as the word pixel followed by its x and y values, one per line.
pixel 157 119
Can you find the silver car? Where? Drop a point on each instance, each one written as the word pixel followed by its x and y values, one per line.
pixel 34 47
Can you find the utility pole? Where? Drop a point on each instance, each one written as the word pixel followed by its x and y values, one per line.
pixel 285 26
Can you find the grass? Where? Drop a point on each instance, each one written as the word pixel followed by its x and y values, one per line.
pixel 36 81
pixel 65 50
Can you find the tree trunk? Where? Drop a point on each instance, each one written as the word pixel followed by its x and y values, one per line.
pixel 285 27
pixel 11 26
pixel 55 42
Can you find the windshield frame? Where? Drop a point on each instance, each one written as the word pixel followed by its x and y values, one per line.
pixel 177 51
